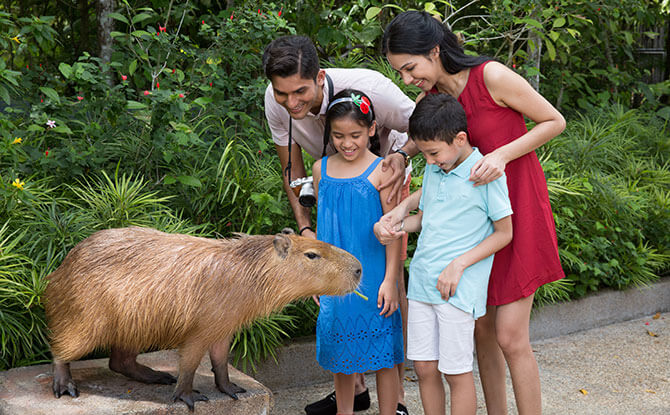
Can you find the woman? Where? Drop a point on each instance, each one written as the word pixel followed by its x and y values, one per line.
pixel 496 99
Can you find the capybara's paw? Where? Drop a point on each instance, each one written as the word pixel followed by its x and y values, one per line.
pixel 231 389
pixel 65 386
pixel 190 398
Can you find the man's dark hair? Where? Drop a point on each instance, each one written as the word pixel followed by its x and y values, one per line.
pixel 289 55
pixel 437 117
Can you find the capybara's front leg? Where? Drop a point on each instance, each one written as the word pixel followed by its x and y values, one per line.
pixel 218 354
pixel 125 362
pixel 190 356
pixel 63 382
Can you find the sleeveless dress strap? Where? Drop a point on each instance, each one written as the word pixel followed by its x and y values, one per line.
pixel 324 166
pixel 370 168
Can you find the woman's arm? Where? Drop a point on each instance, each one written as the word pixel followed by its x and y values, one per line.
pixel 509 89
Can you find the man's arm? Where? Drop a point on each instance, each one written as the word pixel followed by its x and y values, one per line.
pixel 301 213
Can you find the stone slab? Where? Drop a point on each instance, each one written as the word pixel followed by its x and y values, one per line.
pixel 27 391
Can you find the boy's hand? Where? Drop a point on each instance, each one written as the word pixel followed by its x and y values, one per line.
pixel 388 298
pixel 386 229
pixel 449 278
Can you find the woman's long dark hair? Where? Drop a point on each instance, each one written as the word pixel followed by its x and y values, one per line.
pixel 353 111
pixel 417 33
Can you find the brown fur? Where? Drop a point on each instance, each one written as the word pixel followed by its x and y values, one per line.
pixel 138 288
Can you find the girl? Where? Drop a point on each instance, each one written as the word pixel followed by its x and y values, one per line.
pixel 355 335
pixel 496 99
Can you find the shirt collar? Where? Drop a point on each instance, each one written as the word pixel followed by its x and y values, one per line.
pixel 463 169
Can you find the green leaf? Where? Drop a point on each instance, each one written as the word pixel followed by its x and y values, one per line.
pixel 4 94
pixel 141 17
pixel 170 180
pixel 531 22
pixel 189 181
pixel 119 17
pixel 560 22
pixel 141 34
pixel 35 128
pixel 372 12
pixel 132 67
pixel 554 35
pixel 550 49
pixel 202 101
pixel 134 105
pixel 116 34
pixel 50 93
pixel 62 129
pixel 65 69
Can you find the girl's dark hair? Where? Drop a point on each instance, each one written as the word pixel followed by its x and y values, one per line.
pixel 353 111
pixel 417 33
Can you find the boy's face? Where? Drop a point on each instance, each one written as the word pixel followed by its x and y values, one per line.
pixel 299 95
pixel 443 155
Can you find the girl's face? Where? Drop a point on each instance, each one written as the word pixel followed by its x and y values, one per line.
pixel 350 137
pixel 419 70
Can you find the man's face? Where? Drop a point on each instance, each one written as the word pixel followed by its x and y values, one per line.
pixel 299 95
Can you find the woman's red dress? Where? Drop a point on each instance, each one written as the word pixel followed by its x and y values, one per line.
pixel 531 259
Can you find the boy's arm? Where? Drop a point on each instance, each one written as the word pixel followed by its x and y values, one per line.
pixel 387 229
pixel 451 275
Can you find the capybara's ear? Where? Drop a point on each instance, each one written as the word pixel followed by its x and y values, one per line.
pixel 287 231
pixel 282 245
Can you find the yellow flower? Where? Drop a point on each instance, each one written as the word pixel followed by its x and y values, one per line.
pixel 16 39
pixel 17 140
pixel 18 184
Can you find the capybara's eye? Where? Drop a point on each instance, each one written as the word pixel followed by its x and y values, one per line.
pixel 312 255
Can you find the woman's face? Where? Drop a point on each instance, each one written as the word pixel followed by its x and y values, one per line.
pixel 419 70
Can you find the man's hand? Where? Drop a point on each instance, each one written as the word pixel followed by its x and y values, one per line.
pixel 396 162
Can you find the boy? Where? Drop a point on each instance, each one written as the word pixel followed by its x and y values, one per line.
pixel 462 226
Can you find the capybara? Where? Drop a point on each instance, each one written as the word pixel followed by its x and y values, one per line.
pixel 132 289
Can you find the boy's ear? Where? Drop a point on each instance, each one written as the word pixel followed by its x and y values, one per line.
pixel 461 138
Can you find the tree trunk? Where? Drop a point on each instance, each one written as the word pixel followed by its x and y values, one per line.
pixel 534 50
pixel 84 28
pixel 105 27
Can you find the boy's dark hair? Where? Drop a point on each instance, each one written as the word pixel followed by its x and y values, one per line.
pixel 437 117
pixel 289 55
pixel 353 111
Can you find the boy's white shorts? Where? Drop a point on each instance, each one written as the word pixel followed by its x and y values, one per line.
pixel 441 332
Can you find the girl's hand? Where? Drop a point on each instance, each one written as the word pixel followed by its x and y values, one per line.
pixel 448 280
pixel 387 299
pixel 386 230
pixel 488 168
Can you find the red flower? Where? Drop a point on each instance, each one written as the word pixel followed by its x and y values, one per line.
pixel 46 153
pixel 161 28
pixel 231 15
pixel 210 84
pixel 203 22
pixel 123 77
pixel 80 97
pixel 181 95
pixel 228 224
pixel 158 34
pixel 158 85
pixel 173 70
pixel 146 92
pixel 514 65
pixel 365 105
pixel 279 14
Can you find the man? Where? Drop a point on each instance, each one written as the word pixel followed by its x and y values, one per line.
pixel 295 105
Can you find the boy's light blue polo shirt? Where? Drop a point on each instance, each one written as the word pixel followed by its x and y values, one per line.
pixel 457 216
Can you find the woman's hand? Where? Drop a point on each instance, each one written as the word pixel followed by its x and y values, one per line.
pixel 488 168
pixel 387 299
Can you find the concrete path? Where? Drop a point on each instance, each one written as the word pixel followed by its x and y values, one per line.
pixel 622 368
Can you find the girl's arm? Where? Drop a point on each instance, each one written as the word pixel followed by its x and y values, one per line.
pixel 451 275
pixel 509 89
pixel 387 298
pixel 316 176
pixel 387 229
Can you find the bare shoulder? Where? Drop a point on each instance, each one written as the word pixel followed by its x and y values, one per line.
pixel 505 85
pixel 379 176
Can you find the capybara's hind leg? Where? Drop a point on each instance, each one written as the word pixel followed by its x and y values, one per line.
pixel 218 354
pixel 125 363
pixel 62 382
pixel 190 356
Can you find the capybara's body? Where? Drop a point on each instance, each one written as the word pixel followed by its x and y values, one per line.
pixel 131 289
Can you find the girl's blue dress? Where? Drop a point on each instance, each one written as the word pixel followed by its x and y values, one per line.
pixel 351 336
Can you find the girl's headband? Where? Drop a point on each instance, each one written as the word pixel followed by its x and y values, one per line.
pixel 361 102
